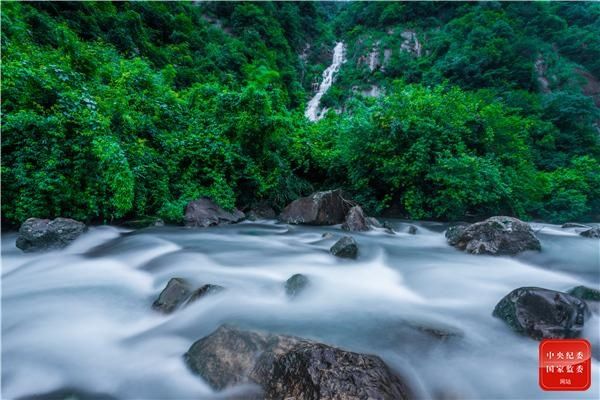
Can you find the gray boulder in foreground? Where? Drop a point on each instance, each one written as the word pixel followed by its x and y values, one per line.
pixel 287 367
pixel 495 236
pixel 204 213
pixel 37 234
pixel 542 313
pixel 320 208
pixel 346 247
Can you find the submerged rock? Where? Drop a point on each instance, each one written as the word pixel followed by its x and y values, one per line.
pixel 575 225
pixel 295 284
pixel 388 228
pixel 496 236
pixel 355 220
pixel 287 367
pixel 542 313
pixel 327 235
pixel 593 233
pixel 346 247
pixel 412 230
pixel 585 293
pixel 172 296
pixel 321 208
pixel 68 394
pixel 37 234
pixel 204 213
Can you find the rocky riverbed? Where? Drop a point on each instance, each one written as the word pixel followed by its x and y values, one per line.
pixel 410 306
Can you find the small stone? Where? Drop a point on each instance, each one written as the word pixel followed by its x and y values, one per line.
pixel 172 296
pixel 346 247
pixel 412 230
pixel 295 284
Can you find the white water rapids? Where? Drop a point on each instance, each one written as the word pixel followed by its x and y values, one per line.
pixel 81 318
pixel 312 109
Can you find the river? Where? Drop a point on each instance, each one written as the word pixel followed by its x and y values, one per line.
pixel 81 317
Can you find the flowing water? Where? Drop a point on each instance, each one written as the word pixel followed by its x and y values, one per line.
pixel 81 317
pixel 312 109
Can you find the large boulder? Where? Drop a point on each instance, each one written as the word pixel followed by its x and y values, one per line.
pixel 204 213
pixel 542 313
pixel 593 233
pixel 356 220
pixel 346 247
pixel 321 208
pixel 496 236
pixel 43 234
pixel 287 367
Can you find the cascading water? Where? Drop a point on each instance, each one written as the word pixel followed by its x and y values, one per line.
pixel 82 317
pixel 312 109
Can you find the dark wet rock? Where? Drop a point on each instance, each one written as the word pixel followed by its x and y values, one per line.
pixel 453 233
pixel 496 236
pixel 355 220
pixel 204 213
pixel 287 367
pixel 144 223
pixel 321 208
pixel 585 293
pixel 205 290
pixel 68 394
pixel 593 233
pixel 295 284
pixel 575 225
pixel 327 235
pixel 261 211
pixel 173 295
pixel 412 230
pixel 37 234
pixel 542 313
pixel 346 247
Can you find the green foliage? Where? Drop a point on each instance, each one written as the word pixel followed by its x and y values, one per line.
pixel 120 110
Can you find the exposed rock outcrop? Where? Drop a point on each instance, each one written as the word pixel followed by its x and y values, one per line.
pixel 37 234
pixel 204 213
pixel 542 313
pixel 287 367
pixel 496 236
pixel 321 208
pixel 346 247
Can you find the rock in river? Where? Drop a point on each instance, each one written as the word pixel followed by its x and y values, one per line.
pixel 355 220
pixel 346 247
pixel 320 208
pixel 585 293
pixel 542 313
pixel 495 235
pixel 173 295
pixel 287 367
pixel 43 234
pixel 295 284
pixel 204 213
pixel 593 233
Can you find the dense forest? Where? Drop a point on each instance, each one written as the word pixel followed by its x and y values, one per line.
pixel 440 111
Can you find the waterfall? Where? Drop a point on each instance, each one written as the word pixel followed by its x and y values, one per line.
pixel 312 109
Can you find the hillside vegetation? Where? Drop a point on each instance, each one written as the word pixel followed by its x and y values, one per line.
pixel 119 110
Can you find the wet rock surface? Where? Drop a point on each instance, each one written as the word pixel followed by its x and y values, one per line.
pixel 37 234
pixel 296 284
pixel 288 367
pixel 542 313
pixel 172 296
pixel 203 213
pixel 585 293
pixel 494 236
pixel 593 233
pixel 346 247
pixel 320 208
pixel 356 220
